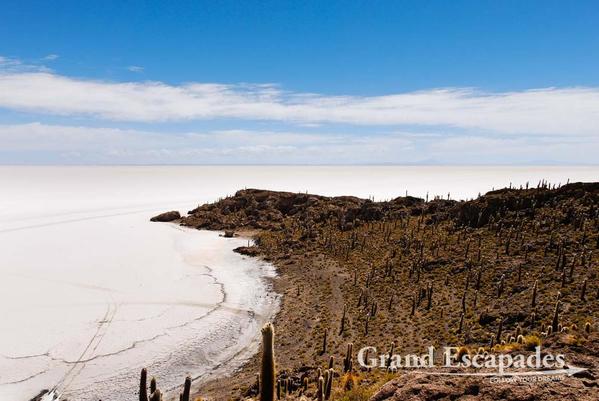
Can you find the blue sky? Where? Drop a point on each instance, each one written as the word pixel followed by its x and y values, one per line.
pixel 504 82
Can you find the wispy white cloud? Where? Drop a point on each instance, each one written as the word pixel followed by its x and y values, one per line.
pixel 454 125
pixel 508 150
pixel 11 65
pixel 7 62
pixel 556 111
pixel 92 144
pixel 80 144
pixel 135 68
pixel 51 57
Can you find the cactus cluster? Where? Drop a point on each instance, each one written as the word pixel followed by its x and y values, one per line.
pixel 155 394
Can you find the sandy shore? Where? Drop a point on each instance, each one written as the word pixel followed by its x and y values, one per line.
pixel 302 280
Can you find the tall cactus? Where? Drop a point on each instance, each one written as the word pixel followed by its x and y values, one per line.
pixel 329 384
pixel 555 320
pixel 267 390
pixel 278 389
pixel 320 389
pixel 391 352
pixel 429 295
pixel 499 330
pixel 342 328
pixel 186 395
pixel 583 290
pixel 348 360
pixel 143 385
pixel 500 286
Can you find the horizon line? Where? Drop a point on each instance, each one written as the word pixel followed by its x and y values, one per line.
pixel 416 164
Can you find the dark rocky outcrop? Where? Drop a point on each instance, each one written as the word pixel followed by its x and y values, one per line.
pixel 573 199
pixel 167 216
pixel 262 209
pixel 268 210
pixel 247 250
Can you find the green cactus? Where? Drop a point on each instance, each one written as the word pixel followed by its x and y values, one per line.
pixel 499 330
pixel 156 395
pixel 267 390
pixel 320 389
pixel 501 286
pixel 329 384
pixel 429 295
pixel 391 352
pixel 324 342
pixel 348 361
pixel 555 321
pixel 278 389
pixel 519 272
pixel 143 385
pixel 186 390
pixel 342 329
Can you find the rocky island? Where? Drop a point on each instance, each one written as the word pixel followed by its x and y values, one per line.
pixel 510 271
